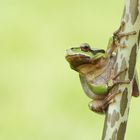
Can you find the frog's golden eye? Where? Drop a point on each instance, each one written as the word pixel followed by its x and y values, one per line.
pixel 85 47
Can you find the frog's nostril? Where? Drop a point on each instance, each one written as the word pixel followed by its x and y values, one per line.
pixel 67 51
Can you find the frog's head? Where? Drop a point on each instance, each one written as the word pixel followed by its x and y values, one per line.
pixel 84 56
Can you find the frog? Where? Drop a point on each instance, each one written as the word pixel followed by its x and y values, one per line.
pixel 96 71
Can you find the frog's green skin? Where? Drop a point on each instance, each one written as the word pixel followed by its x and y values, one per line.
pixel 95 67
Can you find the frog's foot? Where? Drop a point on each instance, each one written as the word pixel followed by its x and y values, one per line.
pixel 117 38
pixel 118 82
pixel 117 35
pixel 111 97
pixel 120 28
pixel 127 34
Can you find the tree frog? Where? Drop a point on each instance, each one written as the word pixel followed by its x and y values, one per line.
pixel 95 68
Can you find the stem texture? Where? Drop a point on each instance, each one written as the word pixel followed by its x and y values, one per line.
pixel 117 114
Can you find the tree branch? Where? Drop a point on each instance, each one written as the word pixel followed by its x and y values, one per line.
pixel 117 114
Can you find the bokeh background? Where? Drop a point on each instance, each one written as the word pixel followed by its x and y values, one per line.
pixel 40 96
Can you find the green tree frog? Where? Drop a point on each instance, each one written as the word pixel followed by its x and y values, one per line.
pixel 95 68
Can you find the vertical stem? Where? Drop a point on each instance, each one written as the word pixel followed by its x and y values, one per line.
pixel 117 114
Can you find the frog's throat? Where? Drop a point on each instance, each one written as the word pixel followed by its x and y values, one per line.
pixel 90 72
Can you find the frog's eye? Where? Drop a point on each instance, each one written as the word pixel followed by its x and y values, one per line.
pixel 85 47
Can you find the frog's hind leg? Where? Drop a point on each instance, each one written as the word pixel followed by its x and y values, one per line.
pixel 110 98
pixel 100 106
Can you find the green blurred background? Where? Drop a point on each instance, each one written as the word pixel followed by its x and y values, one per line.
pixel 40 96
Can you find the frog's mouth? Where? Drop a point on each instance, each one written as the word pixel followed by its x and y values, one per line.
pixel 77 60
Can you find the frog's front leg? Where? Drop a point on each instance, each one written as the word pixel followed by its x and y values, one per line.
pixel 126 34
pixel 117 36
pixel 114 81
pixel 119 73
pixel 118 82
pixel 120 28
pixel 117 39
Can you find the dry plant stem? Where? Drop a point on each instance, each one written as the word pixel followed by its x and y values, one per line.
pixel 117 114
